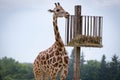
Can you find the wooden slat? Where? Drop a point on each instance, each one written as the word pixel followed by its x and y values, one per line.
pixel 71 27
pixel 96 19
pixel 81 26
pixel 66 32
pixel 91 26
pixel 87 25
pixel 74 27
pixel 94 26
pixel 101 26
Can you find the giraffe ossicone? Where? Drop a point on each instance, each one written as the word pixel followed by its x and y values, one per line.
pixel 53 60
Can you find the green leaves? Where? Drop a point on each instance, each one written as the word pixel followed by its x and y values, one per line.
pixel 96 70
pixel 89 70
pixel 13 70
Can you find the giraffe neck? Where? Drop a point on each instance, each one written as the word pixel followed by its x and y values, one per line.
pixel 56 32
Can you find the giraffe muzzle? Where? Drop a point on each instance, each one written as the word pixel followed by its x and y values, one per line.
pixel 67 15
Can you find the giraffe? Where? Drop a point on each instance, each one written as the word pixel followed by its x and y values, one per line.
pixel 53 60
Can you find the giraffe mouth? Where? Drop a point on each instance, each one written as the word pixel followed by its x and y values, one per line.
pixel 67 15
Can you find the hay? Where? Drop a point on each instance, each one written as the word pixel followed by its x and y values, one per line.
pixel 86 41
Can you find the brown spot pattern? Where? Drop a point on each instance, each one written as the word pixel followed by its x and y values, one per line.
pixel 59 59
pixel 44 62
pixel 51 58
pixel 47 56
pixel 43 57
pixel 65 72
pixel 60 49
pixel 50 61
pixel 54 59
pixel 60 65
pixel 66 59
pixel 60 44
pixel 52 54
pixel 56 53
pixel 38 58
pixel 55 65
pixel 50 50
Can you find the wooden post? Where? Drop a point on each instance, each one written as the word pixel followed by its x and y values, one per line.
pixel 77 63
pixel 78 30
pixel 67 31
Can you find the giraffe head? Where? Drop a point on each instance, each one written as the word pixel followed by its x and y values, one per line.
pixel 58 11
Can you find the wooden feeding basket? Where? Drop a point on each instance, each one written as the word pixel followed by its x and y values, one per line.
pixel 87 34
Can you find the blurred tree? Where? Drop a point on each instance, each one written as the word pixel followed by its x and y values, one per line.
pixel 103 69
pixel 114 68
pixel 82 60
pixel 13 70
pixel 91 70
pixel 70 75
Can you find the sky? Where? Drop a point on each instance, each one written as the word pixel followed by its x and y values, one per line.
pixel 26 27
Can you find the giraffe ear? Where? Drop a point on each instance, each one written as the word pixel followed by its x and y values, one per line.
pixel 55 4
pixel 58 3
pixel 50 10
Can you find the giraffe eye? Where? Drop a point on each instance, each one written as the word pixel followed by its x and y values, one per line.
pixel 58 10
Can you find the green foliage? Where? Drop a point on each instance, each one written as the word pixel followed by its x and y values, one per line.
pixel 90 70
pixel 96 70
pixel 13 70
pixel 103 69
pixel 114 68
pixel 70 68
